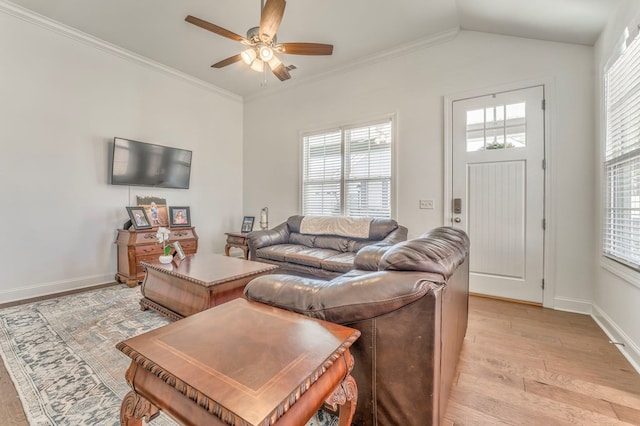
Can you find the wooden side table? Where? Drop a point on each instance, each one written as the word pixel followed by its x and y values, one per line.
pixel 237 240
pixel 240 363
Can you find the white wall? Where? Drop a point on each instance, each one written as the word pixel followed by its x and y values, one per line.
pixel 62 100
pixel 413 86
pixel 617 296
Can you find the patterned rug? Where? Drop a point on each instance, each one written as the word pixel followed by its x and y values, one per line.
pixel 62 358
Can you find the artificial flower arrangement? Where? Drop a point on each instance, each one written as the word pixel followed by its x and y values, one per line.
pixel 163 238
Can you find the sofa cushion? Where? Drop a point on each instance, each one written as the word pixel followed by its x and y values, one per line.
pixel 380 228
pixel 293 223
pixel 356 245
pixel 342 262
pixel 310 256
pixel 278 251
pixel 304 240
pixel 340 244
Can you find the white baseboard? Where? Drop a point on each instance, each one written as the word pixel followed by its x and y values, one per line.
pixel 44 289
pixel 630 350
pixel 573 305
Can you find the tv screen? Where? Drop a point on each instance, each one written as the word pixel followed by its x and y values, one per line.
pixel 146 164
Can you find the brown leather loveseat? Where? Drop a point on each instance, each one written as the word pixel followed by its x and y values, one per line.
pixel 321 246
pixel 410 302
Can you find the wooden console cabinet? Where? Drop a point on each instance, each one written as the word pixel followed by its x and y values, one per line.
pixel 142 246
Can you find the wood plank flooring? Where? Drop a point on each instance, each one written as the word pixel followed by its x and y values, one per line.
pixel 520 365
pixel 525 365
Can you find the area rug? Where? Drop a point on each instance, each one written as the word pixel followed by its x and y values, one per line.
pixel 61 356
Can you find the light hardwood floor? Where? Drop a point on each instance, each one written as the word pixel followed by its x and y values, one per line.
pixel 520 365
pixel 525 365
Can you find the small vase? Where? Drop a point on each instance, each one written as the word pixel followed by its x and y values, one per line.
pixel 166 259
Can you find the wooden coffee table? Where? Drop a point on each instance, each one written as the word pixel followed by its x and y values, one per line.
pixel 240 363
pixel 198 282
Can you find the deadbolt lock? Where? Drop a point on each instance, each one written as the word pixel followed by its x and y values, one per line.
pixel 457 205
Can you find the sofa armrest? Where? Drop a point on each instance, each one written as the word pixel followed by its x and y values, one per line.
pixel 438 251
pixel 352 297
pixel 268 237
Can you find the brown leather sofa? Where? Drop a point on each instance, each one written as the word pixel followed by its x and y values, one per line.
pixel 326 253
pixel 410 302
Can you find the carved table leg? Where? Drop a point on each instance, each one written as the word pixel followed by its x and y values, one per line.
pixel 134 408
pixel 345 395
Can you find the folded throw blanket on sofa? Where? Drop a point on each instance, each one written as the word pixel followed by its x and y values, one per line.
pixel 354 227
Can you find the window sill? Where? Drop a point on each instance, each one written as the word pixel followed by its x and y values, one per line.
pixel 624 272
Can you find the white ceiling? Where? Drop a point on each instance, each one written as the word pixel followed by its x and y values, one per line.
pixel 358 29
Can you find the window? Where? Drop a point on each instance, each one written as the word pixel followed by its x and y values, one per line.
pixel 347 172
pixel 488 128
pixel 621 233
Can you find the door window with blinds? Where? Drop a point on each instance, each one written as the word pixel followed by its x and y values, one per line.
pixel 347 171
pixel 621 236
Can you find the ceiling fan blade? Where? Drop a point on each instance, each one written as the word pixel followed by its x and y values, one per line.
pixel 281 72
pixel 230 60
pixel 271 18
pixel 306 48
pixel 214 28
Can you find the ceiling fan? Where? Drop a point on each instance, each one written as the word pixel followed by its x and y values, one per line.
pixel 262 44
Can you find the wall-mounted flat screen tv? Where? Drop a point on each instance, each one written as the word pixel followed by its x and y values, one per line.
pixel 145 164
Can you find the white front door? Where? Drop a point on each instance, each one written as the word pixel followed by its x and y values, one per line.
pixel 498 190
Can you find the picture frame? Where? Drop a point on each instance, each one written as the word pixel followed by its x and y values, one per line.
pixel 179 216
pixel 156 208
pixel 247 224
pixel 179 251
pixel 139 218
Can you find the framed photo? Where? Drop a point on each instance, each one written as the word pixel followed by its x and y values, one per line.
pixel 179 216
pixel 179 251
pixel 139 218
pixel 156 209
pixel 247 224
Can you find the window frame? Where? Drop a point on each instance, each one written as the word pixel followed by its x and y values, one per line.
pixel 342 128
pixel 621 267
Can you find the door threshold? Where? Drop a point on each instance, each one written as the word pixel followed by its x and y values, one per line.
pixel 506 299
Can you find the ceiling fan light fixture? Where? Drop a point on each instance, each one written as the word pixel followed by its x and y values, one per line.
pixel 266 53
pixel 274 62
pixel 257 65
pixel 261 45
pixel 248 56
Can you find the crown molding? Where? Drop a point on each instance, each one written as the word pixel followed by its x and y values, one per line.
pixel 420 44
pixel 34 18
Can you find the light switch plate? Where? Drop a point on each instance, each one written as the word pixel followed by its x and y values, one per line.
pixel 426 204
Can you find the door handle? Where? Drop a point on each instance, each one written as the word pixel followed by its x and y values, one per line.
pixel 457 220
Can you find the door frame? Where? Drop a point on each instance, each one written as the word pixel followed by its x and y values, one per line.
pixel 548 297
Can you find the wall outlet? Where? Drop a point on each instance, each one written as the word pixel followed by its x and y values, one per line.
pixel 426 204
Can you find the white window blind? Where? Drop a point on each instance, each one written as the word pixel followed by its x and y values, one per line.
pixel 621 236
pixel 347 172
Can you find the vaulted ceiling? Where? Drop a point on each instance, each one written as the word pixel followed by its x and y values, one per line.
pixel 358 29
